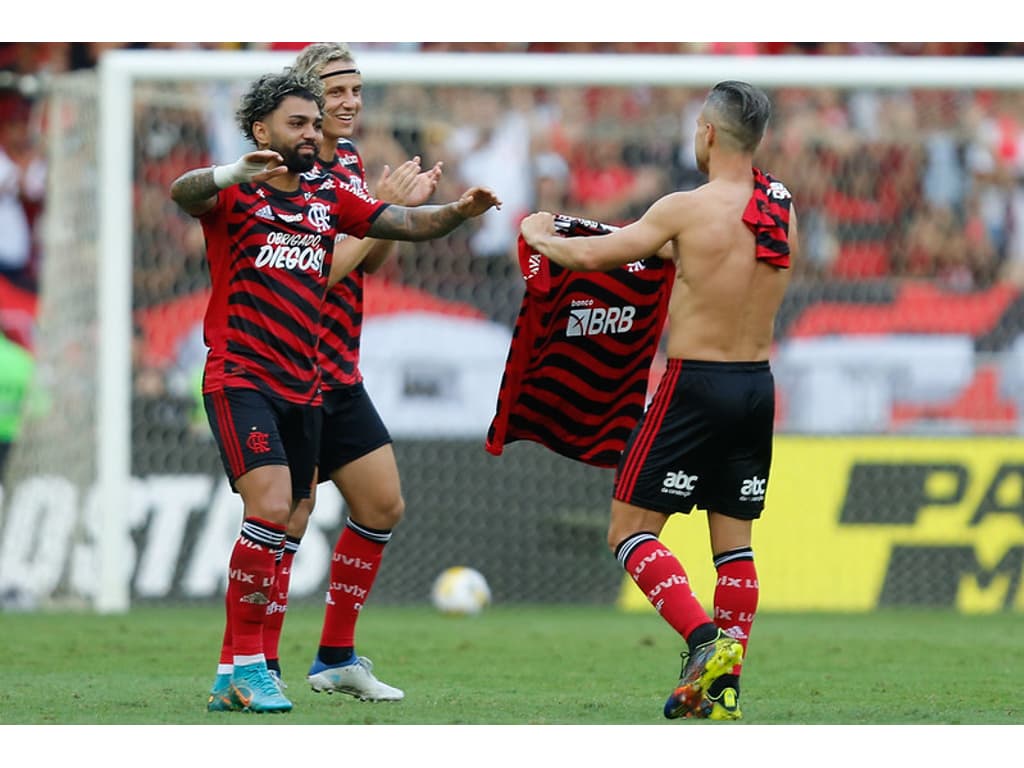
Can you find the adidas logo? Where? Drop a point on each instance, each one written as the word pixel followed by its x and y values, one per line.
pixel 266 213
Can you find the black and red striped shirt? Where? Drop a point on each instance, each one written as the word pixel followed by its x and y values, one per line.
pixel 767 216
pixel 576 375
pixel 269 254
pixel 342 317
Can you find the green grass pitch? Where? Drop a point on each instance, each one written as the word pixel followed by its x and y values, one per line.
pixel 543 667
pixel 523 665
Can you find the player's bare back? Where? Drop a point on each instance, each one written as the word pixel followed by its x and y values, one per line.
pixel 724 299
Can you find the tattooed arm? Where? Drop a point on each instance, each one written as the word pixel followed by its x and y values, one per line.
pixel 406 186
pixel 424 222
pixel 195 192
pixel 427 222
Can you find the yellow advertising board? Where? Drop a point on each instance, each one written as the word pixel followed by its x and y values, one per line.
pixel 852 524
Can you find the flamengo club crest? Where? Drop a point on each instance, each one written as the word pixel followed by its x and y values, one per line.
pixel 258 442
pixel 319 216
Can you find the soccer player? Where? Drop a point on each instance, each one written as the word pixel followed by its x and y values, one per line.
pixel 270 227
pixel 705 441
pixel 355 446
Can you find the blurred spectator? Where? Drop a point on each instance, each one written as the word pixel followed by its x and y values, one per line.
pixel 16 367
pixel 149 379
pixel 928 244
pixel 995 158
pixel 603 187
pixel 87 55
pixel 170 254
pixel 943 173
pixel 493 150
pixel 688 109
pixel 551 182
pixel 982 256
pixel 159 415
pixel 873 167
pixel 16 187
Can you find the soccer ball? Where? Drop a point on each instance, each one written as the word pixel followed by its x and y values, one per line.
pixel 460 591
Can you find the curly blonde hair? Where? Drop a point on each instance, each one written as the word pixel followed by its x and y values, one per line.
pixel 312 58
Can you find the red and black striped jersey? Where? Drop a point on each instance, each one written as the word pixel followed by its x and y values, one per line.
pixel 269 254
pixel 575 379
pixel 767 216
pixel 342 317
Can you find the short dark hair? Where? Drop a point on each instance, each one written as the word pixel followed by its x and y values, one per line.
pixel 743 111
pixel 266 93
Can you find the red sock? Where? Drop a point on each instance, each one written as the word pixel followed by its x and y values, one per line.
pixel 662 578
pixel 226 654
pixel 250 583
pixel 736 595
pixel 354 568
pixel 279 605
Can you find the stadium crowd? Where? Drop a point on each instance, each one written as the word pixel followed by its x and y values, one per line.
pixel 914 183
pixel 917 183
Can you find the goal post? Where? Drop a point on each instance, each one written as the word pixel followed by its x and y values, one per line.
pixel 120 74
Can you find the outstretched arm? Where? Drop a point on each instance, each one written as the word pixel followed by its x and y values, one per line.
pixel 398 222
pixel 195 191
pixel 407 185
pixel 647 237
pixel 427 222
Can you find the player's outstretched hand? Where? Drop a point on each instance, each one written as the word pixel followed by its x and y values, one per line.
pixel 477 200
pixel 408 185
pixel 257 166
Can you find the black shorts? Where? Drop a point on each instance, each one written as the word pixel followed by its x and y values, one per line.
pixel 352 428
pixel 705 441
pixel 254 430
